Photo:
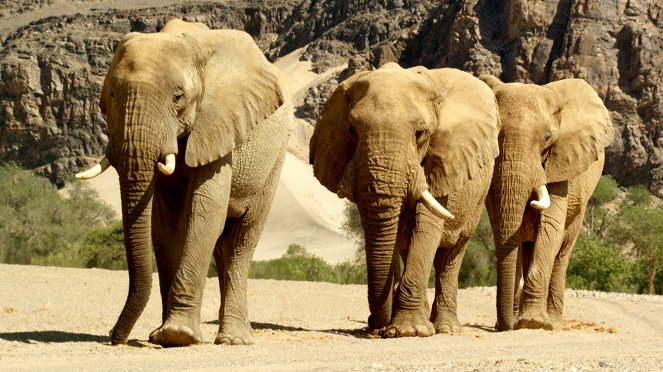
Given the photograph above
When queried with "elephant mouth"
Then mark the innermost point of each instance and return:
(421, 193)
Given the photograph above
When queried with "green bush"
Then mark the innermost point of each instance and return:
(478, 268)
(40, 226)
(298, 264)
(103, 247)
(597, 265)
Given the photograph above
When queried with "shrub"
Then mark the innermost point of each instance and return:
(38, 225)
(103, 247)
(597, 265)
(296, 264)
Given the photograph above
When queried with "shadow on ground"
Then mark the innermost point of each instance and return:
(357, 332)
(58, 337)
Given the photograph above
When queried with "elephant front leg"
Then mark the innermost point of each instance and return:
(447, 266)
(233, 257)
(411, 315)
(208, 195)
(533, 313)
(558, 277)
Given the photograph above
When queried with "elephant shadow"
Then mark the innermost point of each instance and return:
(258, 326)
(59, 337)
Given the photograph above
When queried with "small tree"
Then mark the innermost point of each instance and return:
(642, 227)
(597, 218)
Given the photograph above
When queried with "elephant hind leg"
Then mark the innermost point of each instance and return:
(447, 267)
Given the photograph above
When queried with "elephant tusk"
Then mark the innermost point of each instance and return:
(435, 207)
(544, 199)
(99, 168)
(169, 168)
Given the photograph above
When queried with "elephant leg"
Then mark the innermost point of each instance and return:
(522, 268)
(447, 266)
(546, 245)
(167, 215)
(207, 209)
(411, 315)
(558, 277)
(237, 246)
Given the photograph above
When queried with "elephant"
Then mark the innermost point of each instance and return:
(400, 143)
(551, 142)
(209, 102)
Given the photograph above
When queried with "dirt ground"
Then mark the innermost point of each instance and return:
(58, 319)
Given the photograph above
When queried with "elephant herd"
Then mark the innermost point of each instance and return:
(198, 122)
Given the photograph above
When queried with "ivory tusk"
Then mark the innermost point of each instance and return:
(544, 199)
(169, 168)
(435, 207)
(99, 168)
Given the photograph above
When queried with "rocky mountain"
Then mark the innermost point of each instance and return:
(52, 64)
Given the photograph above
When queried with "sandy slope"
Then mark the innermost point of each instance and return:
(58, 319)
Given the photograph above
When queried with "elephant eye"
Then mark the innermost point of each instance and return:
(420, 135)
(177, 97)
(546, 137)
(353, 132)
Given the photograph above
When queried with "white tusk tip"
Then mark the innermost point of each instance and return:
(165, 169)
(538, 205)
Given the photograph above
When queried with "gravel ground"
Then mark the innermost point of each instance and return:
(58, 319)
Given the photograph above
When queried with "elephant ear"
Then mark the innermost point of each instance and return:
(465, 141)
(331, 146)
(585, 129)
(240, 90)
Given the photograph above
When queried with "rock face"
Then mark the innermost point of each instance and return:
(52, 68)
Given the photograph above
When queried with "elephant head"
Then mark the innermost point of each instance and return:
(204, 91)
(550, 133)
(391, 138)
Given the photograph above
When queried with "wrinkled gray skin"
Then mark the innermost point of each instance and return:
(552, 135)
(211, 98)
(383, 138)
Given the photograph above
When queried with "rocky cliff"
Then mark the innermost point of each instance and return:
(51, 68)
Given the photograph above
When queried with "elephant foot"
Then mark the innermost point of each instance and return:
(556, 320)
(177, 332)
(375, 327)
(446, 321)
(235, 335)
(533, 318)
(408, 324)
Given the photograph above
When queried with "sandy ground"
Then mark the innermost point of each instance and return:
(58, 319)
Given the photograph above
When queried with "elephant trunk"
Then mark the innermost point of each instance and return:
(134, 149)
(510, 191)
(380, 231)
(381, 193)
(136, 221)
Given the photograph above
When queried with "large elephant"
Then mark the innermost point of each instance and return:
(208, 101)
(551, 154)
(400, 143)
